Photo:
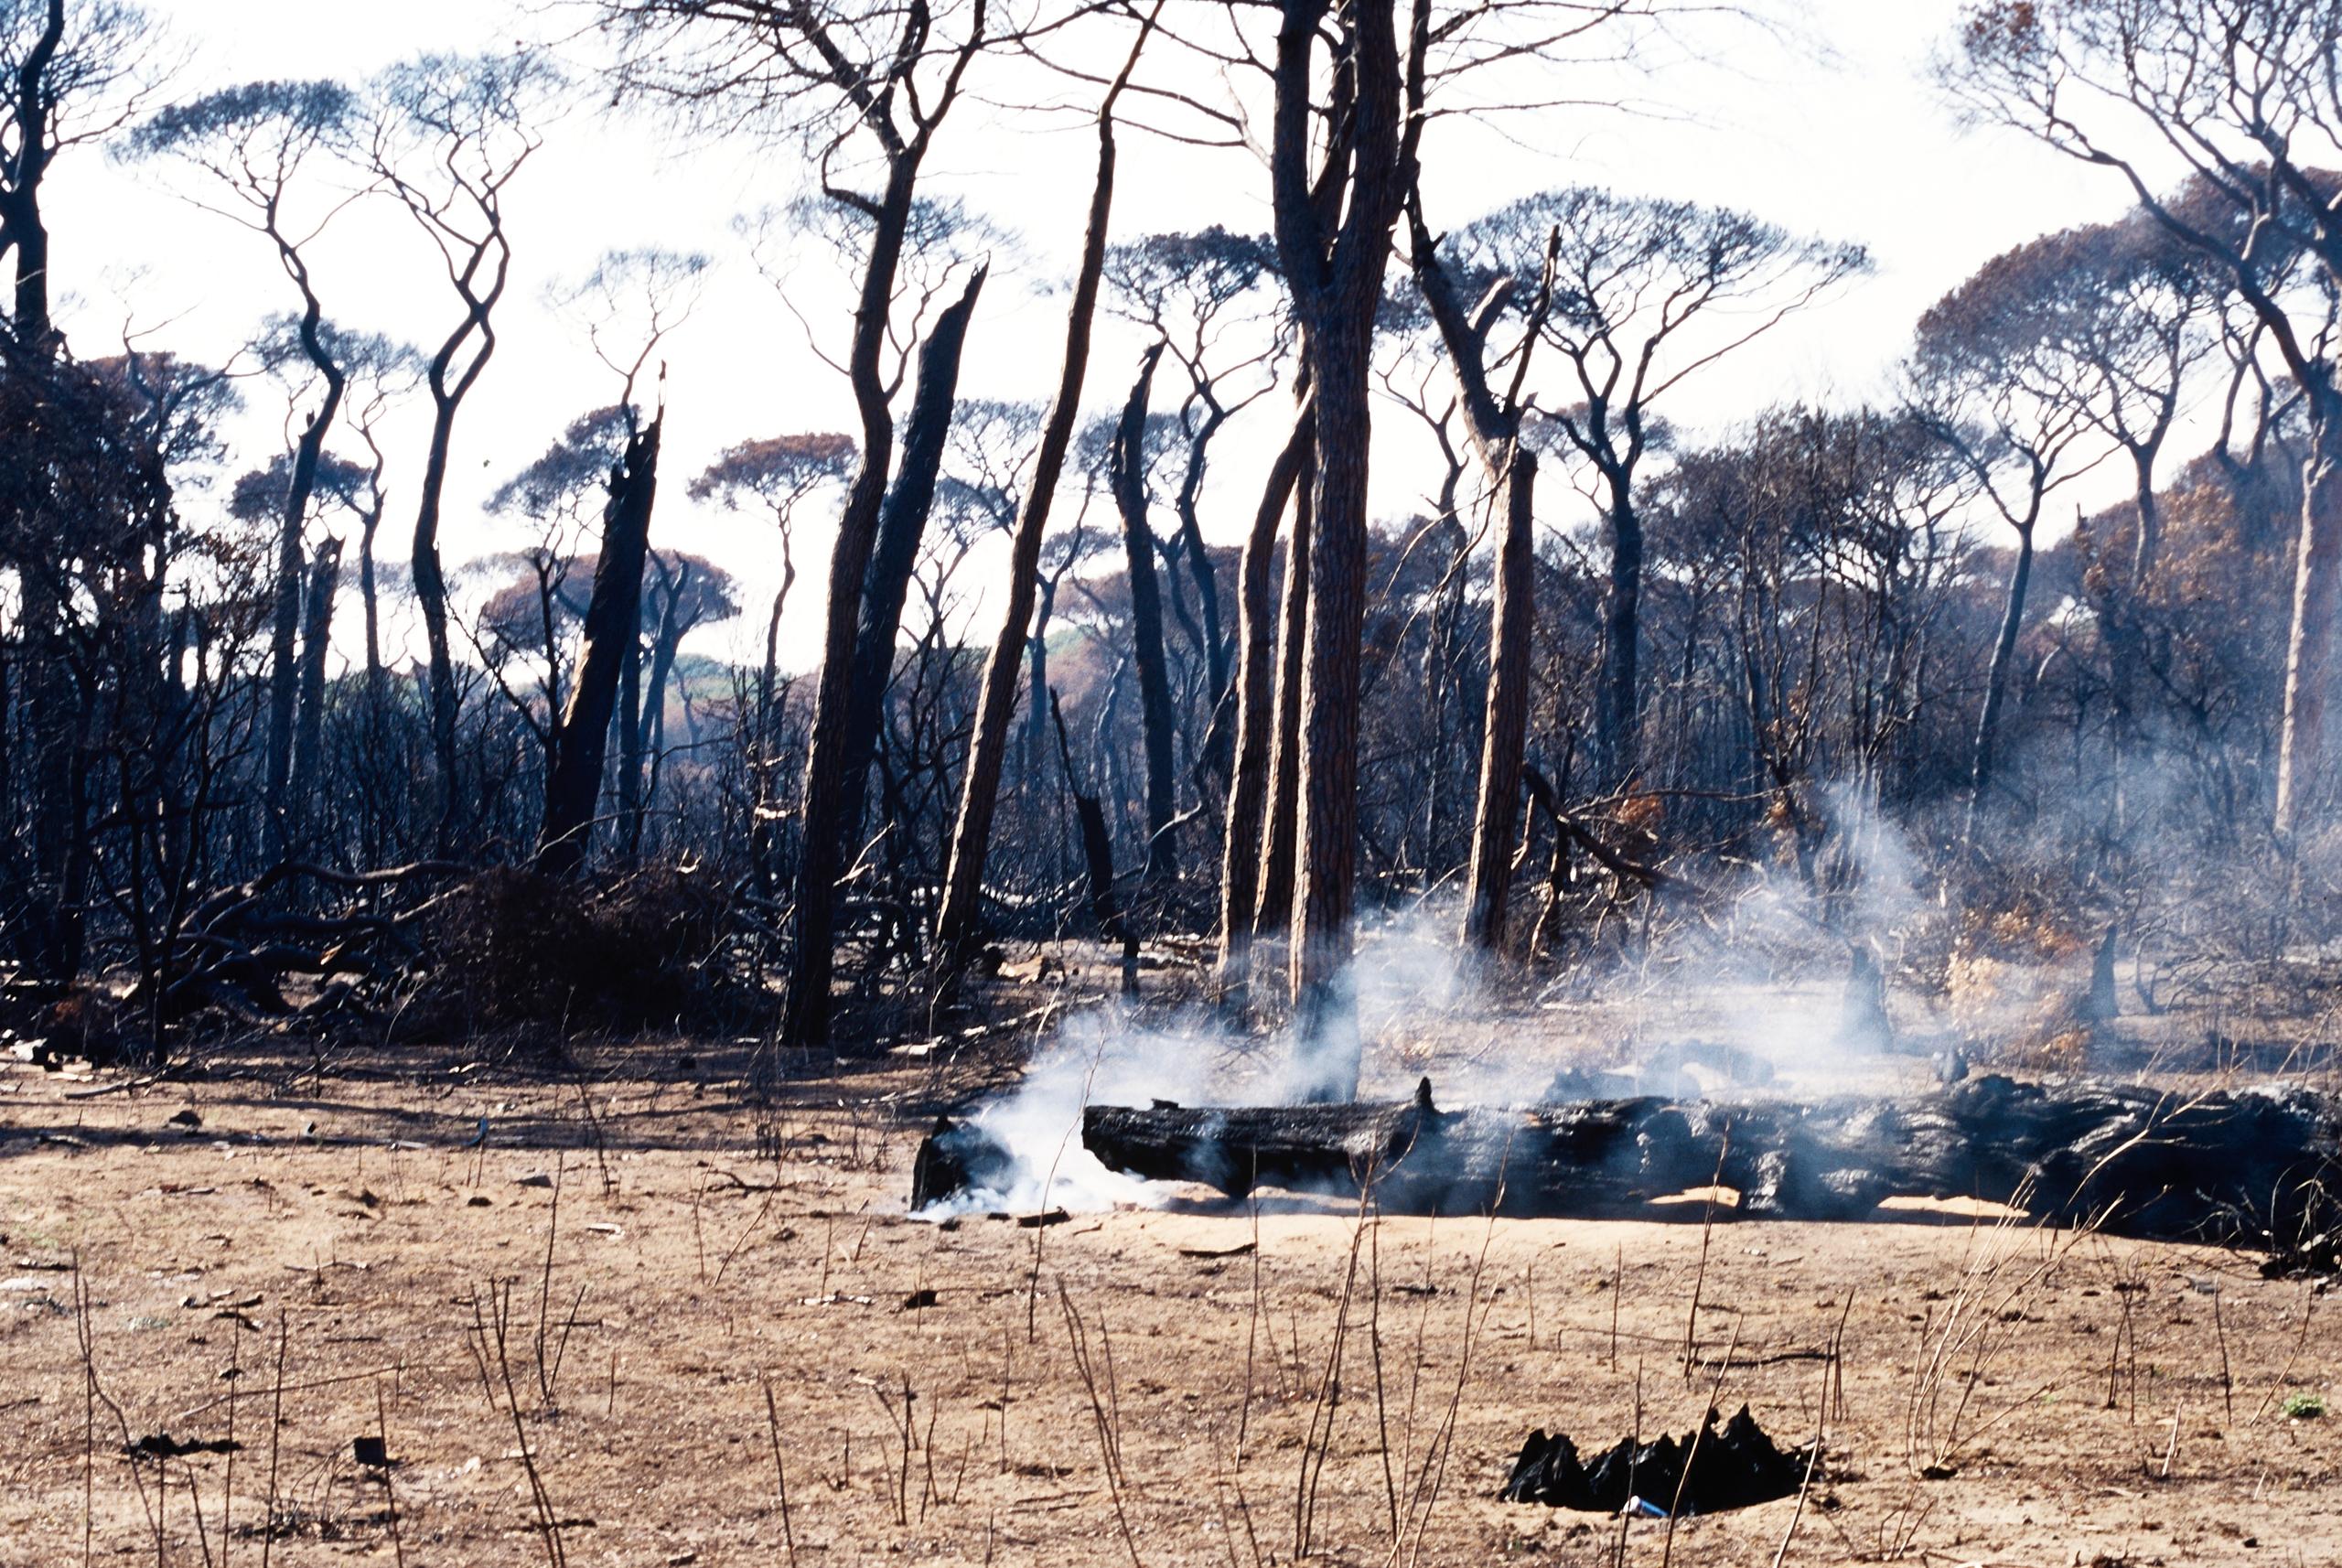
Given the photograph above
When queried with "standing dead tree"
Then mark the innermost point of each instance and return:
(853, 82)
(1241, 870)
(1209, 299)
(613, 630)
(449, 138)
(958, 919)
(72, 72)
(1332, 220)
(1126, 475)
(1494, 418)
(779, 474)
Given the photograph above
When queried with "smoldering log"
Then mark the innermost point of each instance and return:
(2250, 1167)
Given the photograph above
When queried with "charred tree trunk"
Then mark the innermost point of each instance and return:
(1127, 474)
(2252, 1168)
(1996, 680)
(431, 596)
(805, 1021)
(1495, 426)
(1272, 906)
(1213, 760)
(1325, 852)
(902, 525)
(1617, 712)
(285, 674)
(1256, 712)
(371, 606)
(613, 630)
(1097, 843)
(1333, 233)
(627, 726)
(650, 725)
(56, 884)
(959, 916)
(1496, 816)
(317, 638)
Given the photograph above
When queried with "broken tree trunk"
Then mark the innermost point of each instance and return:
(613, 626)
(1126, 469)
(2248, 1166)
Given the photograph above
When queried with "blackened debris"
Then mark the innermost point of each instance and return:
(2313, 1257)
(1702, 1472)
(162, 1445)
(955, 1158)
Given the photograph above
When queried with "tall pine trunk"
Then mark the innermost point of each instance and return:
(317, 639)
(1996, 681)
(1255, 691)
(1273, 904)
(431, 596)
(1496, 814)
(957, 920)
(805, 1020)
(902, 526)
(1128, 473)
(1618, 711)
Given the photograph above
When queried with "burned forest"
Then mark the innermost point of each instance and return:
(1140, 781)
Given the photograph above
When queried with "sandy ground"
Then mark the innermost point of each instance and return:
(1205, 1383)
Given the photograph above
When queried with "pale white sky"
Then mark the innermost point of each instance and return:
(1851, 143)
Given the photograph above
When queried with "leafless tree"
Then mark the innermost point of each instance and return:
(448, 137)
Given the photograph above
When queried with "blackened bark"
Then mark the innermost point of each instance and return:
(316, 641)
(805, 1020)
(22, 225)
(1333, 240)
(1618, 710)
(1272, 905)
(2317, 597)
(613, 630)
(958, 919)
(2221, 1167)
(627, 722)
(1496, 816)
(902, 525)
(431, 596)
(285, 672)
(1248, 787)
(1097, 844)
(1127, 474)
(1218, 733)
(1495, 426)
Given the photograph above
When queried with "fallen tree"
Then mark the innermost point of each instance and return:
(2251, 1166)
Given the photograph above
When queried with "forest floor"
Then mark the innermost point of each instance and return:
(407, 1244)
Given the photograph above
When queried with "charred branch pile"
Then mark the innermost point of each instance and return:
(1706, 1471)
(2249, 1166)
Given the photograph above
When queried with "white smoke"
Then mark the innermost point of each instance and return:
(1406, 969)
(1767, 979)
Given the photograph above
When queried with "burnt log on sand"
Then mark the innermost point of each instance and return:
(2250, 1167)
